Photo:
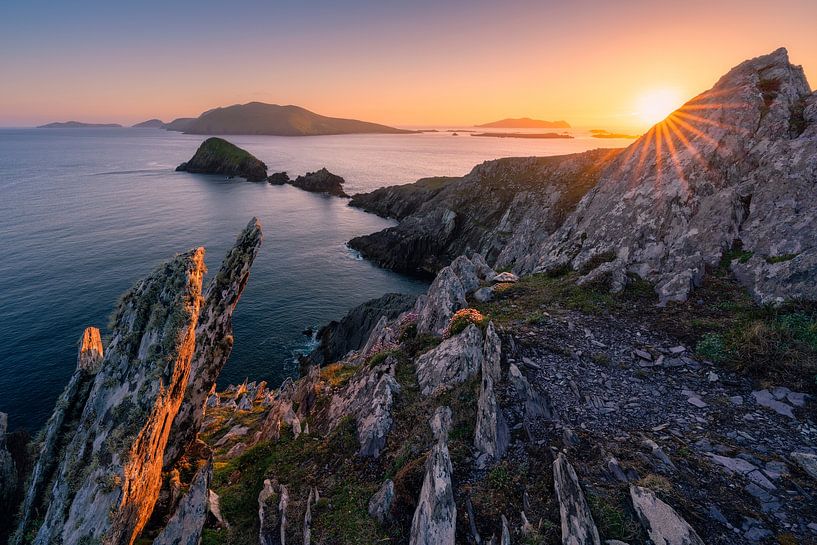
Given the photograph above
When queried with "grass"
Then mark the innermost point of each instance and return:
(720, 320)
(327, 463)
(612, 516)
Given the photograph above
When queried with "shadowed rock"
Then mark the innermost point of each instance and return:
(108, 476)
(435, 519)
(491, 434)
(187, 523)
(578, 527)
(272, 513)
(454, 361)
(662, 523)
(60, 428)
(321, 181)
(214, 338)
(380, 503)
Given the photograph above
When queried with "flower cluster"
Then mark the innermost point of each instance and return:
(462, 318)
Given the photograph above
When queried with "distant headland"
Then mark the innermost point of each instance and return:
(524, 123)
(78, 125)
(523, 134)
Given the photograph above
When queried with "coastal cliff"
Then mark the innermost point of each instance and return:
(217, 156)
(728, 176)
(574, 400)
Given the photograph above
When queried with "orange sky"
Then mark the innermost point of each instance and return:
(423, 64)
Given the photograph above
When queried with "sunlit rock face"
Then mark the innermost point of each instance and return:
(732, 169)
(214, 337)
(60, 428)
(108, 475)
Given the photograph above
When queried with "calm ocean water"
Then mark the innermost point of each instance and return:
(85, 213)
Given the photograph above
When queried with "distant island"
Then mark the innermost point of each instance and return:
(217, 156)
(179, 124)
(525, 123)
(150, 124)
(79, 125)
(275, 120)
(523, 135)
(601, 133)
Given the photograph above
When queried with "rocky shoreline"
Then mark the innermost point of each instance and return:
(624, 384)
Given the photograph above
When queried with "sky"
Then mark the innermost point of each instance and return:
(406, 63)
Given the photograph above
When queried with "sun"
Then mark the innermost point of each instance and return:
(654, 105)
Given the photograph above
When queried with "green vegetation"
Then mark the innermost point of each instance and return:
(225, 151)
(780, 258)
(612, 516)
(463, 318)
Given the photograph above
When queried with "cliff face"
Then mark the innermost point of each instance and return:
(730, 175)
(217, 156)
(503, 209)
(732, 169)
(108, 475)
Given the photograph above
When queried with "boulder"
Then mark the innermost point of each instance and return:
(107, 477)
(435, 518)
(218, 156)
(380, 503)
(452, 362)
(578, 527)
(663, 525)
(321, 181)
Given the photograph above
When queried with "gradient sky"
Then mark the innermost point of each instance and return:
(411, 62)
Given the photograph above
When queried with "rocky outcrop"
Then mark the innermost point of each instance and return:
(338, 338)
(446, 295)
(217, 156)
(214, 337)
(187, 523)
(321, 181)
(578, 527)
(8, 469)
(435, 519)
(502, 209)
(108, 475)
(278, 178)
(662, 523)
(454, 361)
(60, 428)
(491, 434)
(368, 397)
(273, 501)
(729, 170)
(380, 504)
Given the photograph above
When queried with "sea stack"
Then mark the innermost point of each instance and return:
(217, 156)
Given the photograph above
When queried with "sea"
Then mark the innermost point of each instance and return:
(86, 213)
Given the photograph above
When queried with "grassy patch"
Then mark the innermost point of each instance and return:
(338, 374)
(780, 258)
(612, 518)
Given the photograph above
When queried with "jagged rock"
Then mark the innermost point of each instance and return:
(187, 522)
(338, 338)
(307, 534)
(60, 428)
(244, 404)
(484, 295)
(217, 156)
(368, 396)
(8, 469)
(236, 431)
(382, 337)
(663, 525)
(536, 405)
(466, 272)
(699, 183)
(108, 475)
(505, 277)
(435, 518)
(578, 527)
(272, 513)
(214, 338)
(764, 398)
(214, 509)
(452, 362)
(278, 178)
(491, 434)
(506, 534)
(807, 461)
(380, 503)
(483, 270)
(321, 181)
(434, 309)
(502, 209)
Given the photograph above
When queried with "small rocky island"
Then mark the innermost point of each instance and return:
(321, 181)
(217, 156)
